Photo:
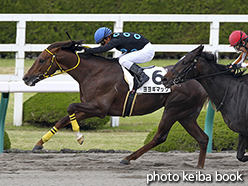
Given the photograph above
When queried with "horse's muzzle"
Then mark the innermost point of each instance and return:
(31, 81)
(166, 83)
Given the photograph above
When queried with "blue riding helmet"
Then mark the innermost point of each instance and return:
(102, 33)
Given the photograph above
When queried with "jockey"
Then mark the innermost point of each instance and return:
(135, 48)
(238, 39)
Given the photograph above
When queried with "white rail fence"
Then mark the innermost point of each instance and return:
(14, 83)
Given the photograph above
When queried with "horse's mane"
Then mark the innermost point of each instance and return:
(76, 46)
(67, 45)
(90, 56)
(212, 58)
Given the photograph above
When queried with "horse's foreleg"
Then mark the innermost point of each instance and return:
(243, 144)
(60, 124)
(195, 131)
(76, 129)
(89, 109)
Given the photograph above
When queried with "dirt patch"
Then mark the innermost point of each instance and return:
(101, 168)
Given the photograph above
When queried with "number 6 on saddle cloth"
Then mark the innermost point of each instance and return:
(153, 85)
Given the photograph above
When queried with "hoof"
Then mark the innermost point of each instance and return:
(199, 167)
(37, 147)
(81, 140)
(124, 162)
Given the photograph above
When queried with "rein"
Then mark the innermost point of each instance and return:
(46, 75)
(224, 97)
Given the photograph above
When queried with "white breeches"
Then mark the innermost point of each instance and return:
(140, 56)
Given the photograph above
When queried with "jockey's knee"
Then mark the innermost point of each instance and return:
(125, 63)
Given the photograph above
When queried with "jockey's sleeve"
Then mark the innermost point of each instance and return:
(100, 49)
(241, 58)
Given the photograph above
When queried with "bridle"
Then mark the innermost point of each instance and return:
(53, 59)
(181, 77)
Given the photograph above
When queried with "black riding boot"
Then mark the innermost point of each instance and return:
(137, 70)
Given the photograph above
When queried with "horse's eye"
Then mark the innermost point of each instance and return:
(41, 61)
(185, 62)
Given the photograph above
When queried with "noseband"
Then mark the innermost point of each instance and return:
(53, 59)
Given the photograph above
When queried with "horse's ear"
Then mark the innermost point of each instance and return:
(200, 49)
(197, 51)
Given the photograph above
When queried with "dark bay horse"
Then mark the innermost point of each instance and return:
(226, 90)
(103, 91)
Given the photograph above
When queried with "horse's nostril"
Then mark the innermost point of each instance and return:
(25, 78)
(164, 79)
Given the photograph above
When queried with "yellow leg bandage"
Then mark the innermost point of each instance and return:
(74, 123)
(49, 134)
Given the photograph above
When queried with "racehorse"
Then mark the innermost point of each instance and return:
(103, 91)
(225, 89)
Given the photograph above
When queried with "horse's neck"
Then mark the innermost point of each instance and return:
(216, 86)
(226, 89)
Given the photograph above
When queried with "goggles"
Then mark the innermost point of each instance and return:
(237, 47)
(102, 42)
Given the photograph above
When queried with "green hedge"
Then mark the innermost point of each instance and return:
(7, 143)
(45, 109)
(164, 32)
(178, 138)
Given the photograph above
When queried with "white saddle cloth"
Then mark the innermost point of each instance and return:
(154, 85)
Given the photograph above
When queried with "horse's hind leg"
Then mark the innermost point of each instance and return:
(191, 126)
(164, 127)
(242, 146)
(159, 138)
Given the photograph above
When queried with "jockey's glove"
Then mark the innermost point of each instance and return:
(74, 47)
(82, 48)
(79, 48)
(236, 66)
(233, 66)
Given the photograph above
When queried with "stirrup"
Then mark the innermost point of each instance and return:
(140, 84)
